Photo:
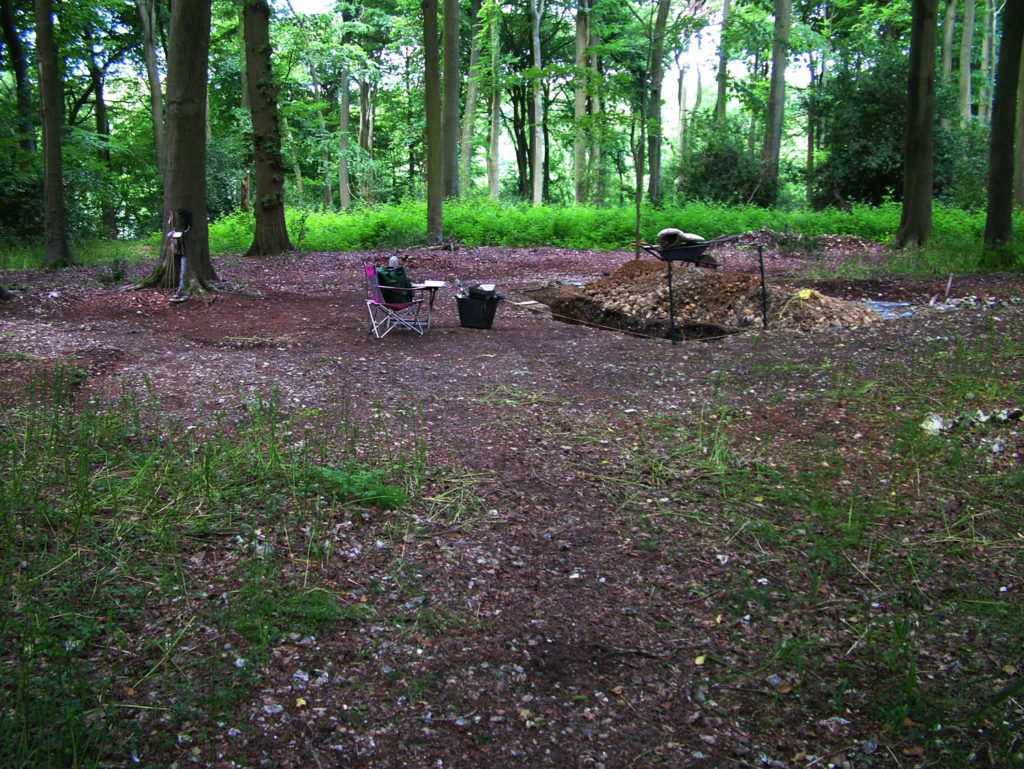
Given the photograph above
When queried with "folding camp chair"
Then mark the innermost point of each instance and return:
(384, 315)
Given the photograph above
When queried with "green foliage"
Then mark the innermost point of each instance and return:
(863, 148)
(484, 222)
(720, 166)
(21, 191)
(961, 166)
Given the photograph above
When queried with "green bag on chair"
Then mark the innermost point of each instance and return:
(395, 285)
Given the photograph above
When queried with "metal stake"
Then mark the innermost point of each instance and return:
(764, 290)
(671, 307)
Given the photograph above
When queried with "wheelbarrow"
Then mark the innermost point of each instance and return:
(684, 252)
(672, 248)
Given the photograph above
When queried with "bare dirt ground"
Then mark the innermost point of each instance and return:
(582, 638)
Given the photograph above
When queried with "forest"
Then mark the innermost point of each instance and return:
(243, 531)
(117, 114)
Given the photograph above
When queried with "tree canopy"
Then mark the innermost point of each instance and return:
(592, 103)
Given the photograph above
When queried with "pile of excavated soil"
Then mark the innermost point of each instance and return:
(635, 298)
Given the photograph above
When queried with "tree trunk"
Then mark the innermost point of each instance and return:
(811, 136)
(432, 112)
(776, 101)
(698, 98)
(450, 97)
(987, 49)
(185, 179)
(999, 217)
(597, 176)
(916, 218)
(345, 105)
(472, 94)
(536, 12)
(271, 232)
(494, 134)
(654, 127)
(365, 136)
(326, 192)
(19, 65)
(147, 16)
(519, 100)
(56, 253)
(495, 105)
(107, 214)
(948, 30)
(681, 133)
(966, 46)
(1018, 173)
(723, 70)
(293, 157)
(580, 88)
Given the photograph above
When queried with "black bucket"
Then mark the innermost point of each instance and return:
(477, 313)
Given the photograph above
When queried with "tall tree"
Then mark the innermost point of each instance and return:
(494, 100)
(345, 116)
(472, 94)
(367, 123)
(597, 131)
(776, 101)
(432, 113)
(450, 96)
(325, 156)
(990, 18)
(966, 49)
(537, 166)
(56, 253)
(916, 218)
(19, 66)
(148, 20)
(999, 216)
(580, 88)
(656, 132)
(271, 232)
(185, 179)
(1018, 168)
(97, 80)
(948, 35)
(723, 68)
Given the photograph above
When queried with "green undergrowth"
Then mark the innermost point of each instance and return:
(878, 560)
(147, 567)
(956, 246)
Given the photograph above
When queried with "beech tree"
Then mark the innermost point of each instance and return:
(537, 115)
(966, 47)
(148, 20)
(916, 219)
(723, 68)
(19, 66)
(493, 99)
(185, 178)
(656, 133)
(432, 110)
(56, 253)
(580, 87)
(999, 215)
(450, 98)
(271, 233)
(472, 94)
(776, 101)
